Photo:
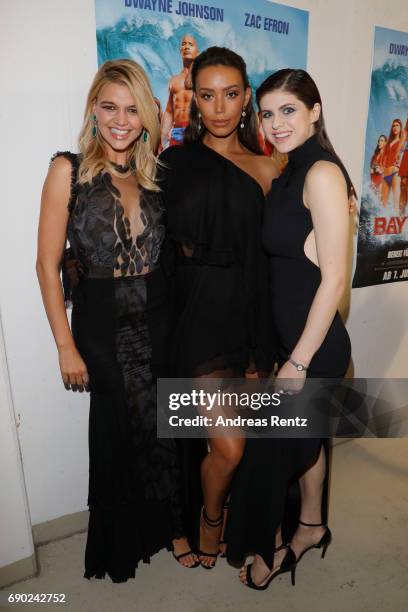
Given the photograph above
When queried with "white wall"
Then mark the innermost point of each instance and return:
(340, 53)
(16, 541)
(48, 58)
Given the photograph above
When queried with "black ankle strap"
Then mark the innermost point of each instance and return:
(312, 524)
(212, 522)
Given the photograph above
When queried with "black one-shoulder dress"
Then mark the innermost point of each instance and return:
(214, 213)
(221, 303)
(264, 492)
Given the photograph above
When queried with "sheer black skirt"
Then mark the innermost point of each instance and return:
(122, 330)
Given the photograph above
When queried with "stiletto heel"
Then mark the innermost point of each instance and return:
(324, 549)
(288, 565)
(324, 541)
(223, 541)
(211, 523)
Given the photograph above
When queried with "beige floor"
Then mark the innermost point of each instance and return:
(366, 568)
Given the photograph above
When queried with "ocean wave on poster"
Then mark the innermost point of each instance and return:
(391, 79)
(133, 36)
(382, 54)
(371, 208)
(388, 101)
(396, 91)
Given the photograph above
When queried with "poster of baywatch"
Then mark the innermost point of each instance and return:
(164, 37)
(382, 250)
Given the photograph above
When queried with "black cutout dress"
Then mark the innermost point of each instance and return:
(265, 492)
(121, 326)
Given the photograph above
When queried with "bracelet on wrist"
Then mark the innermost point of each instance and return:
(300, 367)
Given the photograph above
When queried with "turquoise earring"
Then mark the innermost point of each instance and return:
(94, 126)
(145, 135)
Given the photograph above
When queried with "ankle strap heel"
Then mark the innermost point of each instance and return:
(212, 522)
(324, 541)
(311, 524)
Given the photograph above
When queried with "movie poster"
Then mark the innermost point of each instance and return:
(164, 37)
(382, 250)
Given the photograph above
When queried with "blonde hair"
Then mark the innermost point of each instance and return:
(143, 154)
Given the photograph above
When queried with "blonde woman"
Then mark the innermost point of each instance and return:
(106, 201)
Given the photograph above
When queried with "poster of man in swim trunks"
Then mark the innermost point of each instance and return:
(382, 250)
(164, 37)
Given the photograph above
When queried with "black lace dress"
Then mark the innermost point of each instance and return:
(121, 324)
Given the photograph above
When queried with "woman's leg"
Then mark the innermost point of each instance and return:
(403, 195)
(396, 181)
(260, 571)
(311, 491)
(385, 190)
(217, 470)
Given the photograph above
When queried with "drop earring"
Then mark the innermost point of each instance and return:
(199, 122)
(145, 135)
(243, 115)
(94, 126)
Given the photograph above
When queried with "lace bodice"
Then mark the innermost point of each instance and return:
(107, 241)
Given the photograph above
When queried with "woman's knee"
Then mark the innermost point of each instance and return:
(229, 452)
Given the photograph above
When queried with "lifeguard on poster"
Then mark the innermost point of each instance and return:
(382, 250)
(176, 116)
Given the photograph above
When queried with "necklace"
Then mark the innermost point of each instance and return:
(119, 168)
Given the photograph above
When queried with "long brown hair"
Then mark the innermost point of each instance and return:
(221, 56)
(377, 148)
(300, 83)
(391, 135)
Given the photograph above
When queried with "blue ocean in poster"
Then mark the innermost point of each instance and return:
(268, 35)
(382, 250)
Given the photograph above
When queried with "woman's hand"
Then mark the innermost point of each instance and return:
(73, 369)
(289, 379)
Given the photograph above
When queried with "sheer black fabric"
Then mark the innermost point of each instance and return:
(121, 323)
(222, 322)
(214, 212)
(265, 493)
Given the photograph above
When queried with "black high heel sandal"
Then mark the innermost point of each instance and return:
(178, 557)
(324, 541)
(222, 541)
(288, 565)
(211, 523)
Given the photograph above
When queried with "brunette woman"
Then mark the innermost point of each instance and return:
(391, 162)
(403, 172)
(214, 190)
(377, 164)
(305, 232)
